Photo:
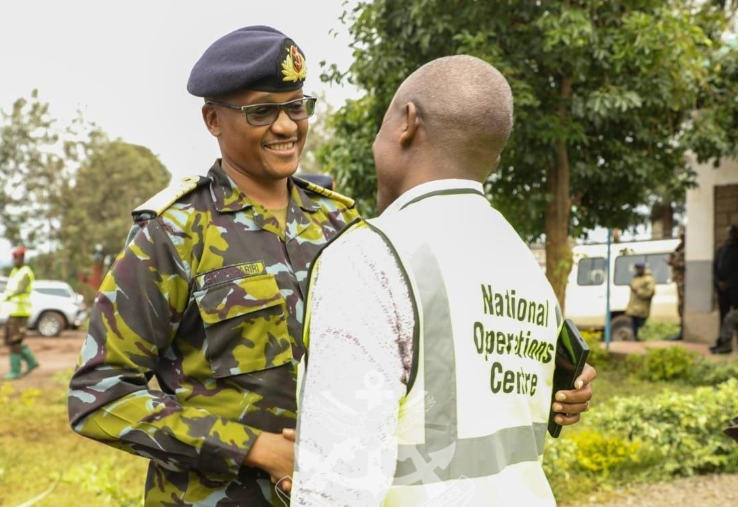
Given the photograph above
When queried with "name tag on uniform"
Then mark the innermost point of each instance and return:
(229, 273)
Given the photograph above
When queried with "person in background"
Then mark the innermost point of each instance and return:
(642, 289)
(727, 330)
(725, 277)
(17, 300)
(678, 269)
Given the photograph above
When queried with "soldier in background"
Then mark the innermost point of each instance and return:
(208, 294)
(677, 263)
(17, 300)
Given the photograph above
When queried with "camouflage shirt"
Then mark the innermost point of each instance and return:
(208, 298)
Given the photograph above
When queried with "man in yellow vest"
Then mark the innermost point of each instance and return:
(17, 299)
(431, 330)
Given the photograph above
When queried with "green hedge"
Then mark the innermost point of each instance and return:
(639, 439)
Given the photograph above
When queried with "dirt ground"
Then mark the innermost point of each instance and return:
(703, 491)
(54, 354)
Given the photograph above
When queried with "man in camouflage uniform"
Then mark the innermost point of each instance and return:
(642, 289)
(677, 263)
(17, 300)
(207, 296)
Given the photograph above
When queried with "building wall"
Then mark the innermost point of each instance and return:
(710, 208)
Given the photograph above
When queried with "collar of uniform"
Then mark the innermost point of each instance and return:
(432, 186)
(227, 197)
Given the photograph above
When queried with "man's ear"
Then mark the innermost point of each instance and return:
(411, 125)
(211, 119)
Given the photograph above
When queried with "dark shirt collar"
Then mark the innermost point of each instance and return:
(228, 198)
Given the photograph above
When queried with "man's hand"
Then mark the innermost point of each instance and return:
(275, 454)
(569, 404)
(723, 286)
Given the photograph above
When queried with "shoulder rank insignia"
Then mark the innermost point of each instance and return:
(161, 201)
(330, 194)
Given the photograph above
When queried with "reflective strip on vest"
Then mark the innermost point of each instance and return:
(19, 305)
(435, 465)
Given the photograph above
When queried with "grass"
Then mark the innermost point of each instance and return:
(37, 448)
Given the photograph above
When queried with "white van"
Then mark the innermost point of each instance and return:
(586, 289)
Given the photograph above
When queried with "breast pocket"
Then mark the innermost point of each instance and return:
(245, 325)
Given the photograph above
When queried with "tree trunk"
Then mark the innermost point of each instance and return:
(558, 210)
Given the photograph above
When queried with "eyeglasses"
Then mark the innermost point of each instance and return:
(259, 115)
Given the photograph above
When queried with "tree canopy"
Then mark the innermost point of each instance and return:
(603, 93)
(67, 190)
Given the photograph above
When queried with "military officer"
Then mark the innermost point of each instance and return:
(207, 296)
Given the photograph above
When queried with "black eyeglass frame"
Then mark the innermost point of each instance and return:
(308, 100)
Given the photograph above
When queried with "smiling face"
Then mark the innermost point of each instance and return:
(270, 152)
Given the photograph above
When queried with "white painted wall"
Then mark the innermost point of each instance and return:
(700, 244)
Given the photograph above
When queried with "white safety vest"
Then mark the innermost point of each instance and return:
(472, 426)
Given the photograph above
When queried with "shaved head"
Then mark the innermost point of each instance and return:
(464, 104)
(450, 119)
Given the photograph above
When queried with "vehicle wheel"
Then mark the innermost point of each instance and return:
(50, 324)
(621, 329)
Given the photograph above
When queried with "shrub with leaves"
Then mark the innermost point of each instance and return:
(686, 429)
(641, 438)
(669, 363)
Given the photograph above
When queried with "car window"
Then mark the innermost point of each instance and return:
(656, 262)
(591, 271)
(53, 291)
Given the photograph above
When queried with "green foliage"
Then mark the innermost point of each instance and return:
(655, 330)
(664, 364)
(600, 453)
(114, 178)
(37, 447)
(104, 480)
(646, 438)
(677, 364)
(68, 189)
(636, 69)
(709, 373)
(35, 158)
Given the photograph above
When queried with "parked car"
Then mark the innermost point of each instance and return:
(54, 307)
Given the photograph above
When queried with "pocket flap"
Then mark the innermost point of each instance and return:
(237, 297)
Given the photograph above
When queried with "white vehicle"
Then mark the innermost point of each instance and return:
(54, 307)
(586, 289)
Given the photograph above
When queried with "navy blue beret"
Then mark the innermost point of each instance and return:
(251, 58)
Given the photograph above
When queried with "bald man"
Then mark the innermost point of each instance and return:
(431, 330)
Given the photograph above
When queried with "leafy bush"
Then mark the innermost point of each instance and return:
(679, 364)
(709, 373)
(654, 330)
(645, 438)
(669, 363)
(597, 452)
(685, 430)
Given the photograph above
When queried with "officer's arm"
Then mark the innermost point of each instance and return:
(136, 315)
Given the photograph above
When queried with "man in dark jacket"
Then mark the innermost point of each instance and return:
(726, 282)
